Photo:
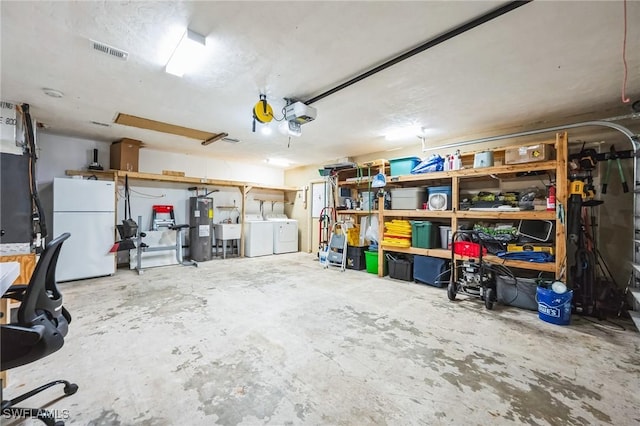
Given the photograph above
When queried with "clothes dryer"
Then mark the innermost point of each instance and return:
(285, 233)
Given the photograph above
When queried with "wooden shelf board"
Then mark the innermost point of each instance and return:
(526, 214)
(479, 172)
(543, 267)
(114, 174)
(356, 182)
(273, 188)
(435, 252)
(357, 212)
(446, 254)
(418, 213)
(509, 168)
(104, 174)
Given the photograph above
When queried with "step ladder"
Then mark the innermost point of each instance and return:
(337, 248)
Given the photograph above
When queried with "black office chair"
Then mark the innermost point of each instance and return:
(40, 329)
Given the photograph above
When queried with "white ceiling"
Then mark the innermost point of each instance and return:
(545, 62)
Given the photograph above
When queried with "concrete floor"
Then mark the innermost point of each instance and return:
(279, 340)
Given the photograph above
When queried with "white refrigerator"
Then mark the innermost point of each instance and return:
(86, 209)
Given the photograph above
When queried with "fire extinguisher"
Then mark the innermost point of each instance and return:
(551, 197)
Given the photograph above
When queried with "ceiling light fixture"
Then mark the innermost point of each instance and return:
(53, 93)
(405, 133)
(280, 162)
(266, 130)
(187, 54)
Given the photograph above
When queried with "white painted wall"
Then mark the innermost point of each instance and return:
(61, 153)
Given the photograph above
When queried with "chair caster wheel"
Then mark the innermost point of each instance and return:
(70, 389)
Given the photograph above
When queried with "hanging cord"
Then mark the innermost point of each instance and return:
(127, 200)
(37, 209)
(625, 99)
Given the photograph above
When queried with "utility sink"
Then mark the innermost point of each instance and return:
(227, 231)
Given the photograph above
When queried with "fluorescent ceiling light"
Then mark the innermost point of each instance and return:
(278, 162)
(188, 53)
(266, 130)
(404, 133)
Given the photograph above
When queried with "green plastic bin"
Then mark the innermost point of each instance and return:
(423, 234)
(371, 260)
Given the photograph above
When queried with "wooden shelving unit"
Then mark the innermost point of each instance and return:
(556, 167)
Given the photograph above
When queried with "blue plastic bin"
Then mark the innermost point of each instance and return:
(431, 270)
(403, 166)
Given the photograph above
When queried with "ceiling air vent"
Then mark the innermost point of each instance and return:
(230, 140)
(109, 50)
(97, 123)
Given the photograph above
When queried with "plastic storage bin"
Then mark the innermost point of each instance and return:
(431, 270)
(520, 293)
(445, 237)
(403, 166)
(355, 258)
(400, 269)
(371, 260)
(408, 198)
(423, 234)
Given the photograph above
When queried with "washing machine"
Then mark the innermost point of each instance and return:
(258, 236)
(285, 233)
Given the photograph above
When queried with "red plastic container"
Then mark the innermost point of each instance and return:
(467, 248)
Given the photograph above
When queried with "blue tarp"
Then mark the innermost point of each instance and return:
(527, 256)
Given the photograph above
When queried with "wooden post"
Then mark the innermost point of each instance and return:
(562, 186)
(380, 234)
(245, 192)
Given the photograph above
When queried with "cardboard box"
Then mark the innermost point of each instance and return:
(124, 154)
(527, 154)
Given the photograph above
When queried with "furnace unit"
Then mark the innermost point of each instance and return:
(200, 228)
